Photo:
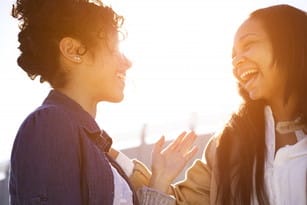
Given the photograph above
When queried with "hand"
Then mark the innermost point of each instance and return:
(169, 162)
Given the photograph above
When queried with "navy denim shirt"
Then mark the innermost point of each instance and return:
(54, 161)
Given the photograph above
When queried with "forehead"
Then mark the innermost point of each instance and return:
(249, 29)
(111, 40)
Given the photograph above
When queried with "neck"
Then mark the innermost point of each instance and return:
(287, 117)
(285, 111)
(83, 100)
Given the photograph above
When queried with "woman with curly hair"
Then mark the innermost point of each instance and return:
(60, 155)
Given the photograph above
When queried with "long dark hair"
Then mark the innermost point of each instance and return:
(241, 148)
(43, 23)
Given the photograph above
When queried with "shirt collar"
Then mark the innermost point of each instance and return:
(98, 136)
(270, 125)
(297, 149)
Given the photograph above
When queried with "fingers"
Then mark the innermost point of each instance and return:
(191, 154)
(176, 143)
(158, 145)
(182, 144)
(187, 142)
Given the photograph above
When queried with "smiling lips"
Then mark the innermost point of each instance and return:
(247, 75)
(121, 76)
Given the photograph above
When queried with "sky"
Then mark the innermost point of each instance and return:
(181, 73)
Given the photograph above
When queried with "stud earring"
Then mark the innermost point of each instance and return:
(77, 59)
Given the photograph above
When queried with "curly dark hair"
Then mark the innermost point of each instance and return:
(43, 23)
(242, 141)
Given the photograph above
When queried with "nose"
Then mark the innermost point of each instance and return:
(238, 60)
(125, 62)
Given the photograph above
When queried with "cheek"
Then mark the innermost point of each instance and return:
(267, 60)
(267, 56)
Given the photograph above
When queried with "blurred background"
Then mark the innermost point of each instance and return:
(181, 77)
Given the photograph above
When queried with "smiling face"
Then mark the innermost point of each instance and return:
(105, 71)
(253, 62)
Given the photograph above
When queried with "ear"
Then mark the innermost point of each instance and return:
(69, 49)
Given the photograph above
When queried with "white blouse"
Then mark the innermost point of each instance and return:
(285, 171)
(122, 191)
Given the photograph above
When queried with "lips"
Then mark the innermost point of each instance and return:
(248, 75)
(121, 76)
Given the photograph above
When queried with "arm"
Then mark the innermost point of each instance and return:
(45, 163)
(167, 163)
(149, 196)
(199, 183)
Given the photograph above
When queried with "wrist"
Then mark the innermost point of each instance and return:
(159, 182)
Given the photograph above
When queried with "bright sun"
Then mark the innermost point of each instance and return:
(181, 66)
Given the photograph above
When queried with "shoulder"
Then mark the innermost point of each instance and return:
(209, 153)
(45, 157)
(48, 127)
(47, 118)
(45, 139)
(49, 112)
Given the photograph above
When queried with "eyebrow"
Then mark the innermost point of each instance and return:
(247, 35)
(241, 39)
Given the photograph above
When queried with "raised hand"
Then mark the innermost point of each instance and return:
(167, 163)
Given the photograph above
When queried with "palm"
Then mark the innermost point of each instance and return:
(169, 162)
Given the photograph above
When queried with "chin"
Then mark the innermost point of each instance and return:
(117, 99)
(254, 96)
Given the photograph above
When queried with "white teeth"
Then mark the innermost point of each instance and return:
(121, 76)
(244, 75)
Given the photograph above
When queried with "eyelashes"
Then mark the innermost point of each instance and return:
(243, 47)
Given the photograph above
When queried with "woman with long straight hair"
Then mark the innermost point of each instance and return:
(260, 157)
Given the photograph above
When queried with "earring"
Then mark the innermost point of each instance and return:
(77, 59)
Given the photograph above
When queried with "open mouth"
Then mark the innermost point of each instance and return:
(121, 76)
(248, 75)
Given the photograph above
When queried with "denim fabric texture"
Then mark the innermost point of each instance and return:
(54, 160)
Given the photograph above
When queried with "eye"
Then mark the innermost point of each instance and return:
(241, 47)
(247, 45)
